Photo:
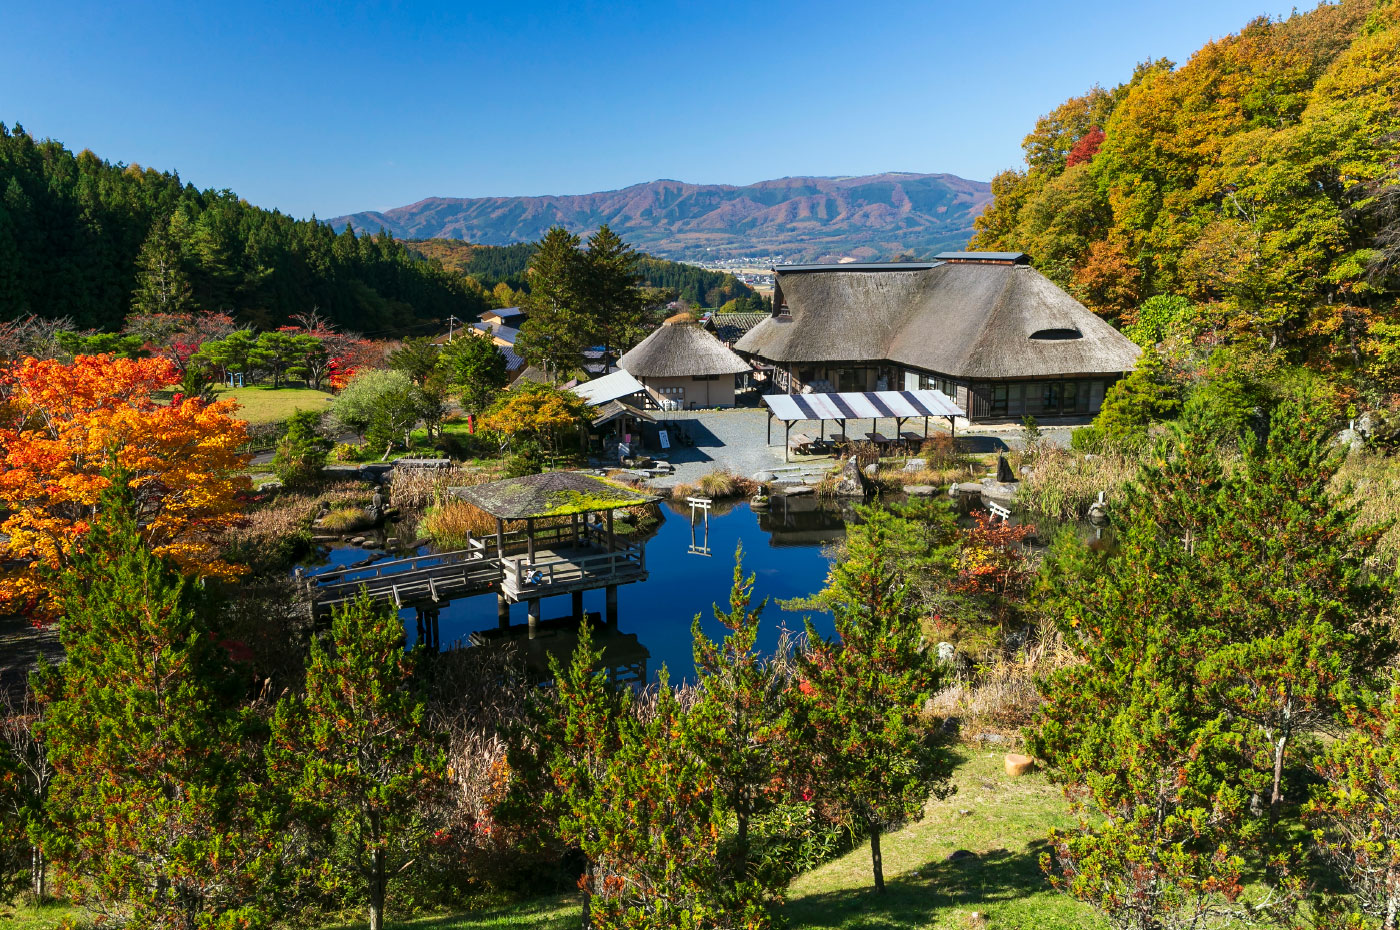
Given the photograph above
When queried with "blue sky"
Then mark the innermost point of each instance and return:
(338, 107)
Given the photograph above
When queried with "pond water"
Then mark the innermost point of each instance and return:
(784, 549)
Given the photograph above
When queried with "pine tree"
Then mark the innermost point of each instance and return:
(658, 833)
(155, 811)
(559, 759)
(739, 727)
(559, 327)
(1212, 643)
(161, 283)
(352, 753)
(614, 297)
(859, 698)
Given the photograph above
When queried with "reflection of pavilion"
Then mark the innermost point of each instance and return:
(802, 521)
(624, 657)
(569, 542)
(561, 542)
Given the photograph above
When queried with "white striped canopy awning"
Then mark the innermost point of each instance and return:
(862, 405)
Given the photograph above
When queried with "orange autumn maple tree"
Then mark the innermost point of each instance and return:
(65, 426)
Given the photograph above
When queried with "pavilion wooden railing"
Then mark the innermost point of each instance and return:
(522, 576)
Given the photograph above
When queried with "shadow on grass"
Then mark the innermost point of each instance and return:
(552, 912)
(911, 897)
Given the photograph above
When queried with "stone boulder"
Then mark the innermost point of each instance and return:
(916, 465)
(1018, 765)
(849, 483)
(920, 490)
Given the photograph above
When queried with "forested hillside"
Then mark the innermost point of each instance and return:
(490, 265)
(84, 238)
(1256, 183)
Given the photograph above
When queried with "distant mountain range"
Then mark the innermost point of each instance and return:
(802, 219)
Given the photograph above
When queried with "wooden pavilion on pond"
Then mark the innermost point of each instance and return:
(568, 539)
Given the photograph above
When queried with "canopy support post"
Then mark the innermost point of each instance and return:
(770, 426)
(925, 427)
(530, 539)
(612, 547)
(787, 431)
(952, 427)
(500, 538)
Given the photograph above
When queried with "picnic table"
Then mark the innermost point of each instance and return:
(878, 439)
(800, 442)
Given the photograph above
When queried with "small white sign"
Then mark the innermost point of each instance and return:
(665, 440)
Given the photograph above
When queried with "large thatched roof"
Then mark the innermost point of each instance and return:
(552, 494)
(678, 350)
(965, 319)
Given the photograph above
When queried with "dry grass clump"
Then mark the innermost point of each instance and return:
(1063, 483)
(681, 491)
(345, 519)
(723, 483)
(1000, 695)
(1372, 482)
(449, 523)
(416, 488)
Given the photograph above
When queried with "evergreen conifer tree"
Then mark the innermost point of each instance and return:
(859, 698)
(559, 327)
(739, 727)
(155, 813)
(162, 286)
(352, 753)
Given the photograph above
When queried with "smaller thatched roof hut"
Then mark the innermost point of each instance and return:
(681, 350)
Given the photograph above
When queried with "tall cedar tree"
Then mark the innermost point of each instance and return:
(860, 696)
(161, 283)
(476, 370)
(559, 759)
(560, 325)
(659, 832)
(1213, 641)
(155, 810)
(739, 727)
(613, 291)
(1355, 809)
(353, 753)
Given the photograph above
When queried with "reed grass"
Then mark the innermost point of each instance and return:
(1372, 482)
(1063, 483)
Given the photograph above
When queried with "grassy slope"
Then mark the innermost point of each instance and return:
(1005, 825)
(259, 404)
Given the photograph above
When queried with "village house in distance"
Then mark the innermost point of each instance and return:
(985, 328)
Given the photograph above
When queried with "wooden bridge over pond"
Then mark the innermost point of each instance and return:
(559, 551)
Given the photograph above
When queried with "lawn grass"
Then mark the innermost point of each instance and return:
(260, 404)
(557, 912)
(1005, 825)
(48, 917)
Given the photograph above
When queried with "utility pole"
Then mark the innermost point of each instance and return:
(451, 320)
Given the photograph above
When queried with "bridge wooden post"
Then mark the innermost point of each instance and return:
(533, 612)
(611, 540)
(530, 539)
(611, 605)
(502, 611)
(500, 538)
(578, 606)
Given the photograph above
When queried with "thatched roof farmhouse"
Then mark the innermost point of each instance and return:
(683, 365)
(985, 328)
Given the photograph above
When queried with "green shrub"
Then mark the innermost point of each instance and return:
(301, 452)
(794, 838)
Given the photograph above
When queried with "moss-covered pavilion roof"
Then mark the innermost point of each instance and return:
(552, 494)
